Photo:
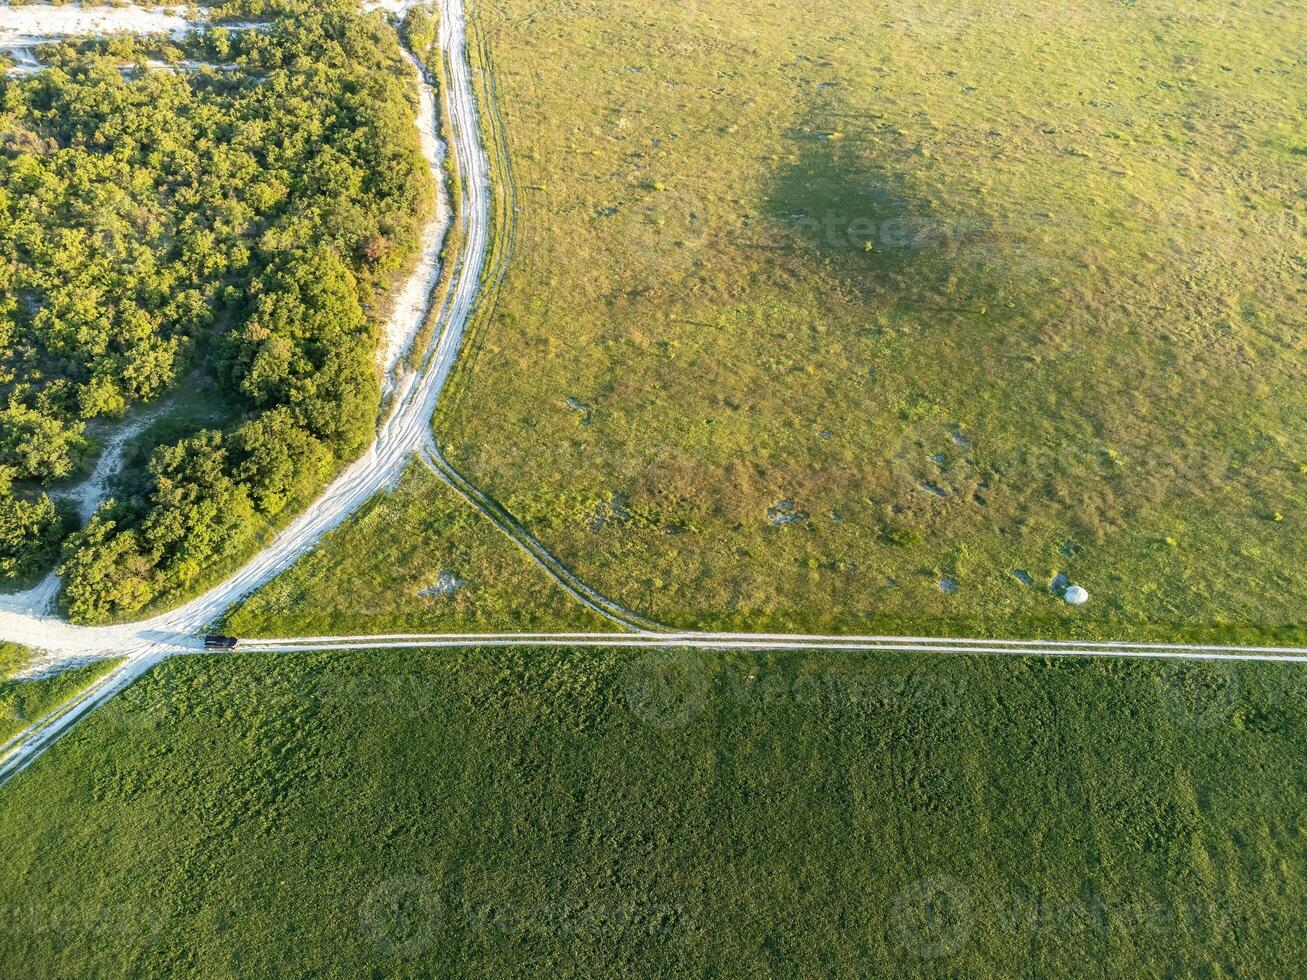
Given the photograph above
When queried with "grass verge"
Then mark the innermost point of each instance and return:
(23, 701)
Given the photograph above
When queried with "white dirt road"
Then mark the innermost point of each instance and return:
(779, 641)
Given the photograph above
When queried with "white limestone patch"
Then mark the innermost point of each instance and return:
(31, 24)
(447, 584)
(22, 29)
(413, 302)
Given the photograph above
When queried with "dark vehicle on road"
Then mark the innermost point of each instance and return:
(215, 642)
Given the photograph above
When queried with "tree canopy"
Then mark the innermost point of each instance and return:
(243, 220)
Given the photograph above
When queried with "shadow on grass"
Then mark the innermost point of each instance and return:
(849, 207)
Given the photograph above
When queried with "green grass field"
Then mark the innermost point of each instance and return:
(590, 813)
(27, 700)
(370, 576)
(816, 314)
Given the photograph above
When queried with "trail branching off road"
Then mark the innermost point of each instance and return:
(538, 553)
(406, 434)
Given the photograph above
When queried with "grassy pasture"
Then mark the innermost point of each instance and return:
(816, 314)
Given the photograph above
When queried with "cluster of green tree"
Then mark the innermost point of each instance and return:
(246, 223)
(421, 30)
(30, 531)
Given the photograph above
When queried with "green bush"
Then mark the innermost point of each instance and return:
(30, 531)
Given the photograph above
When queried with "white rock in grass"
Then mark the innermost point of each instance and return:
(1076, 596)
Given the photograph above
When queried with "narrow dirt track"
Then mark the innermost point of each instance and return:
(593, 600)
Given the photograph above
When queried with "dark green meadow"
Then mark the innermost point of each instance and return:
(597, 814)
